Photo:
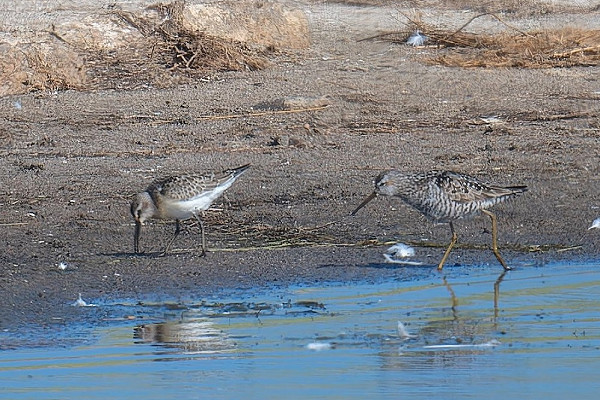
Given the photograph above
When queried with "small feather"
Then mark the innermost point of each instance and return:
(417, 39)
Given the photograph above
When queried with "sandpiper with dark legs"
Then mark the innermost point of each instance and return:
(445, 196)
(180, 198)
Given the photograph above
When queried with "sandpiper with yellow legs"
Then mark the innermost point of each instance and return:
(445, 196)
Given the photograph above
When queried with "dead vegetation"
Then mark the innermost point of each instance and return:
(170, 52)
(162, 61)
(163, 52)
(39, 67)
(514, 48)
(567, 47)
(249, 236)
(183, 49)
(167, 52)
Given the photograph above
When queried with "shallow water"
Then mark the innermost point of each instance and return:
(536, 336)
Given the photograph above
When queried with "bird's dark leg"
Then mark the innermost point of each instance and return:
(450, 246)
(177, 230)
(495, 239)
(136, 237)
(202, 233)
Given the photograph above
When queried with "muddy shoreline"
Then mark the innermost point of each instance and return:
(71, 161)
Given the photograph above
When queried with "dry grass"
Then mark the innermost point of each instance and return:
(39, 67)
(164, 61)
(182, 49)
(201, 52)
(567, 47)
(167, 54)
(550, 48)
(53, 69)
(520, 8)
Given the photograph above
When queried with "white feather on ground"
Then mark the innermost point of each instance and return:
(403, 333)
(81, 303)
(417, 39)
(398, 251)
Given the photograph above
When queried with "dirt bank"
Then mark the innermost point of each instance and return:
(71, 161)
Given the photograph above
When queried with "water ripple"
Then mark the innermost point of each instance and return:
(471, 332)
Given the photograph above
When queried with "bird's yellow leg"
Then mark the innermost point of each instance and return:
(450, 246)
(495, 239)
(497, 294)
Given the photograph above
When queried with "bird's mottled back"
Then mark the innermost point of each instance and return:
(444, 196)
(183, 187)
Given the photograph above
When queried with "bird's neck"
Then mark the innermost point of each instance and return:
(149, 209)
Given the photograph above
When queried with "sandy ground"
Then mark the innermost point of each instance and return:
(71, 161)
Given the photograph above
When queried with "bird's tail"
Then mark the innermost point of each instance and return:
(499, 194)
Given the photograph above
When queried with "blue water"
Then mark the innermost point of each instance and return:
(536, 338)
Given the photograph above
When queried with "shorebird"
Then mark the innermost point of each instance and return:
(445, 196)
(180, 198)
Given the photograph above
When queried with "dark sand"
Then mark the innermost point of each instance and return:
(71, 161)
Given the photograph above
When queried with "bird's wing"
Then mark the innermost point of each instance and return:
(183, 187)
(465, 189)
(190, 187)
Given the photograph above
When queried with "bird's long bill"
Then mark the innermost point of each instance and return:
(364, 203)
(136, 237)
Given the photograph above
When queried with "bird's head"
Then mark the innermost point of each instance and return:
(142, 208)
(384, 185)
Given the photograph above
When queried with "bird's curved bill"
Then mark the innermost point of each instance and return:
(364, 203)
(136, 237)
